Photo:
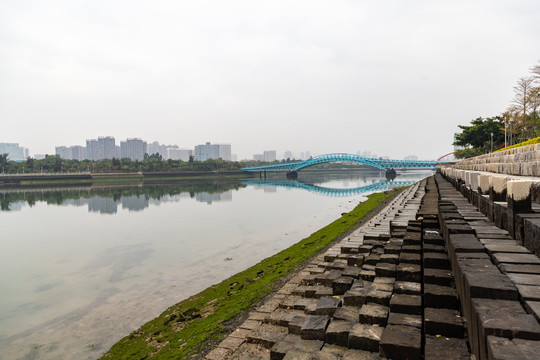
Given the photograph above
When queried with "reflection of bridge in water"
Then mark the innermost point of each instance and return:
(375, 187)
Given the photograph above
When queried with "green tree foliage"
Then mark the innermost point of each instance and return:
(476, 138)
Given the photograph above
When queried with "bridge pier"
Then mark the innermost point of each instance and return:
(292, 175)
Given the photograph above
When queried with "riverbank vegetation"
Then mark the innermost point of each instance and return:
(518, 123)
(187, 329)
(150, 163)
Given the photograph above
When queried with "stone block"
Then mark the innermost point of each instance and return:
(379, 297)
(438, 277)
(365, 337)
(488, 285)
(352, 272)
(409, 272)
(495, 321)
(445, 322)
(417, 249)
(314, 327)
(406, 304)
(341, 285)
(338, 332)
(499, 348)
(327, 305)
(436, 261)
(531, 235)
(438, 348)
(267, 335)
(374, 314)
(516, 258)
(295, 325)
(519, 196)
(294, 343)
(518, 268)
(347, 313)
(405, 319)
(437, 296)
(401, 342)
(410, 258)
(529, 292)
(407, 287)
(385, 270)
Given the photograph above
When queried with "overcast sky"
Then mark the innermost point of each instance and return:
(391, 77)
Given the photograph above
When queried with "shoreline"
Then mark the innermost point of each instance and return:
(192, 327)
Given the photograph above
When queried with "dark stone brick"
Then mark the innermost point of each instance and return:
(295, 325)
(341, 285)
(327, 305)
(516, 258)
(518, 268)
(445, 322)
(347, 313)
(406, 304)
(401, 342)
(411, 258)
(365, 337)
(374, 314)
(509, 349)
(405, 319)
(488, 285)
(438, 277)
(267, 335)
(436, 260)
(379, 297)
(314, 327)
(293, 343)
(409, 272)
(437, 296)
(385, 270)
(444, 348)
(338, 332)
(529, 292)
(407, 287)
(416, 249)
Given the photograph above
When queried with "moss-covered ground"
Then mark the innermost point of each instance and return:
(187, 329)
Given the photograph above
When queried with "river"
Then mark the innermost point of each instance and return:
(83, 266)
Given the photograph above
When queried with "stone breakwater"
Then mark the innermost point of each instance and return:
(431, 276)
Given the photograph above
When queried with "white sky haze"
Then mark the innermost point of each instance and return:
(392, 77)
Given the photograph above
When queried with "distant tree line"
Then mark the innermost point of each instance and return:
(519, 122)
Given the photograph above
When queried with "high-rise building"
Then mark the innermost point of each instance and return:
(179, 154)
(102, 148)
(133, 149)
(269, 155)
(14, 151)
(213, 151)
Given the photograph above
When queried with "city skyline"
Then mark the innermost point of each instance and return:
(393, 77)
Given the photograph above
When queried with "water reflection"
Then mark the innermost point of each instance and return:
(106, 200)
(296, 184)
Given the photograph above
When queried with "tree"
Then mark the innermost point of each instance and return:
(478, 135)
(522, 96)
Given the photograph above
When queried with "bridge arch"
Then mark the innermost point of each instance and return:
(381, 164)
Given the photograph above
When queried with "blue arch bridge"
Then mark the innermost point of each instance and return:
(382, 164)
(375, 187)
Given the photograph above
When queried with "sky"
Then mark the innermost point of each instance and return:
(392, 77)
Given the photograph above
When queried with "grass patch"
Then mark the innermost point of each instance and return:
(184, 330)
(528, 142)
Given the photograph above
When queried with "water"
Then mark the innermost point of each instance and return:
(81, 267)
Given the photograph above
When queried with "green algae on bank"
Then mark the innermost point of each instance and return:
(187, 329)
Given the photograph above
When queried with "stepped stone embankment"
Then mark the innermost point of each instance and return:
(436, 274)
(520, 161)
